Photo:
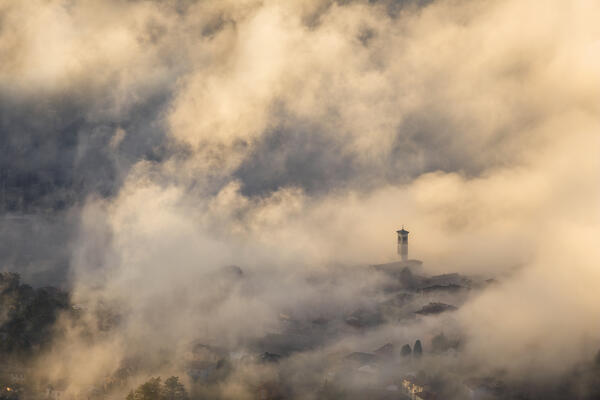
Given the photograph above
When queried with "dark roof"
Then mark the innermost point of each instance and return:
(435, 308)
(403, 231)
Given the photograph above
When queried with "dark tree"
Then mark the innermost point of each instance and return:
(405, 351)
(150, 390)
(418, 349)
(174, 390)
(28, 315)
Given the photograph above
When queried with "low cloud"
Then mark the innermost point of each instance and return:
(177, 141)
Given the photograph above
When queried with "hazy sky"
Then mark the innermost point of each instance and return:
(146, 143)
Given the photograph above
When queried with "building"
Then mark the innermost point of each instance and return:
(403, 244)
(416, 389)
(412, 386)
(397, 267)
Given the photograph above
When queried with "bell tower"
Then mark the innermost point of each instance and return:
(403, 244)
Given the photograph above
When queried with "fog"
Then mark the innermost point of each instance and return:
(214, 169)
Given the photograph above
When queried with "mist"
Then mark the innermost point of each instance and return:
(215, 172)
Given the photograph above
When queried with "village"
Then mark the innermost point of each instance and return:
(341, 359)
(392, 370)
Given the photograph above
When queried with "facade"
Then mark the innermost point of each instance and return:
(415, 389)
(412, 387)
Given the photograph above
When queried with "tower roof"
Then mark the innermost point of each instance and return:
(402, 231)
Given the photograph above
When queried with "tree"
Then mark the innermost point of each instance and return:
(28, 315)
(405, 351)
(150, 390)
(172, 389)
(418, 349)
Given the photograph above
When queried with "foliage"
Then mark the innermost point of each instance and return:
(27, 315)
(417, 349)
(405, 351)
(154, 389)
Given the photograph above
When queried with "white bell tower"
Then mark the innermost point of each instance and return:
(403, 243)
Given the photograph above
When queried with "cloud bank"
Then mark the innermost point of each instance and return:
(291, 138)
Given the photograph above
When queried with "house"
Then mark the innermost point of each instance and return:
(9, 392)
(412, 386)
(416, 389)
